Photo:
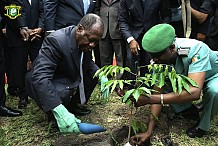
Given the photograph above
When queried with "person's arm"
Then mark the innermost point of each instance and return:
(37, 32)
(155, 112)
(123, 18)
(201, 17)
(124, 27)
(21, 20)
(204, 11)
(172, 97)
(50, 8)
(41, 15)
(44, 68)
(140, 138)
(155, 101)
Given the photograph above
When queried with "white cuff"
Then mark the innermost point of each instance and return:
(130, 39)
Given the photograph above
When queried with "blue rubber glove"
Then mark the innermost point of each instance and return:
(66, 121)
(105, 92)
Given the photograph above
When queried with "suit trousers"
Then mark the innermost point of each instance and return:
(19, 58)
(108, 47)
(143, 59)
(2, 74)
(7, 56)
(210, 102)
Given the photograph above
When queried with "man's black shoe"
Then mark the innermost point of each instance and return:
(22, 103)
(79, 110)
(195, 132)
(8, 112)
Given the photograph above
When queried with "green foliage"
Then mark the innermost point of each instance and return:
(138, 126)
(160, 74)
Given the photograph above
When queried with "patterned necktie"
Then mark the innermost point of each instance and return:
(81, 85)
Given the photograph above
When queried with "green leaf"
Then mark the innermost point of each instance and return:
(161, 80)
(142, 78)
(192, 82)
(154, 77)
(180, 84)
(114, 85)
(174, 85)
(121, 70)
(186, 86)
(136, 94)
(135, 126)
(138, 126)
(146, 90)
(108, 84)
(120, 84)
(129, 102)
(160, 68)
(173, 82)
(166, 70)
(110, 71)
(127, 94)
(99, 71)
(107, 69)
(150, 67)
(127, 69)
(155, 67)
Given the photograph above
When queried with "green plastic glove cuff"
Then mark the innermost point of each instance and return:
(105, 92)
(66, 121)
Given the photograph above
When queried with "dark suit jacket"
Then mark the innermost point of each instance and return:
(33, 18)
(4, 3)
(109, 14)
(63, 13)
(58, 57)
(133, 20)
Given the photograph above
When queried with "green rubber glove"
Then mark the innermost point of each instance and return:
(66, 121)
(105, 92)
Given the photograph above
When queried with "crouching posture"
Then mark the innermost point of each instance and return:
(62, 74)
(191, 58)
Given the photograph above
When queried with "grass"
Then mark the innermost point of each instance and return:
(32, 128)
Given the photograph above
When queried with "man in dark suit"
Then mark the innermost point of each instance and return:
(135, 18)
(5, 111)
(112, 40)
(20, 49)
(64, 63)
(62, 13)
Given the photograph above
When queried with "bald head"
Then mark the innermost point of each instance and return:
(92, 21)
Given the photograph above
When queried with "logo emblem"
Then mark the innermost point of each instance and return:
(196, 58)
(13, 11)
